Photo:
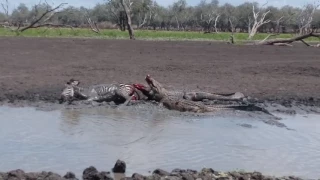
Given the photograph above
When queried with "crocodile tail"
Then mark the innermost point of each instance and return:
(249, 107)
(226, 107)
(252, 107)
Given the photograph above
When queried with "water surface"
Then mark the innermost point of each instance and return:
(73, 139)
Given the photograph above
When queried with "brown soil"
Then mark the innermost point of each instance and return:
(37, 68)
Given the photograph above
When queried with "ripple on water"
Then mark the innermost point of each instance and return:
(148, 138)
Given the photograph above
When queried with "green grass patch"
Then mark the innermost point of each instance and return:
(140, 34)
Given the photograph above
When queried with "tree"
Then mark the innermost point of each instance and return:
(306, 16)
(289, 21)
(41, 15)
(72, 16)
(245, 16)
(5, 8)
(316, 20)
(126, 4)
(154, 15)
(276, 19)
(208, 14)
(178, 10)
(229, 17)
(21, 14)
(99, 13)
(142, 12)
(258, 21)
(2, 17)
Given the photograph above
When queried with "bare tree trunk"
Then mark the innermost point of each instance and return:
(122, 20)
(249, 26)
(178, 25)
(92, 24)
(306, 17)
(128, 14)
(257, 23)
(231, 25)
(287, 42)
(278, 24)
(144, 21)
(215, 23)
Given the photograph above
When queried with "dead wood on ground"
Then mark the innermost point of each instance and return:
(288, 42)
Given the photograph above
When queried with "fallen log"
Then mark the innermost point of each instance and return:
(287, 42)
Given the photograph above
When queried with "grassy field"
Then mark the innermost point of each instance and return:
(140, 34)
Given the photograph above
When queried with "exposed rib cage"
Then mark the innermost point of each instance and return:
(109, 92)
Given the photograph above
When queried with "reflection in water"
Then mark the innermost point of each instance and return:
(73, 139)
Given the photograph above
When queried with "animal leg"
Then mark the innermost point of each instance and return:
(128, 100)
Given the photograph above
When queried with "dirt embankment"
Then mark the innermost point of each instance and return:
(37, 68)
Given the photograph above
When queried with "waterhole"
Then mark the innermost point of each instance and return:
(73, 139)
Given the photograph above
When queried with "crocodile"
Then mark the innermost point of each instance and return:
(193, 95)
(172, 102)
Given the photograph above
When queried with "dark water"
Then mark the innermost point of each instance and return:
(71, 140)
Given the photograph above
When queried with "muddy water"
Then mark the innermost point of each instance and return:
(73, 139)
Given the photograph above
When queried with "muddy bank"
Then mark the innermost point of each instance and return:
(91, 173)
(35, 69)
(274, 107)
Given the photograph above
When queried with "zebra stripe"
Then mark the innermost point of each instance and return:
(67, 94)
(104, 89)
(126, 89)
(99, 92)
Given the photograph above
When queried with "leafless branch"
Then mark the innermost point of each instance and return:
(215, 23)
(258, 23)
(279, 20)
(304, 42)
(268, 37)
(289, 41)
(231, 24)
(144, 20)
(305, 17)
(92, 24)
(37, 21)
(264, 4)
(5, 8)
(51, 25)
(282, 44)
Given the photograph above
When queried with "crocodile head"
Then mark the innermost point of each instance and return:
(147, 91)
(140, 87)
(156, 86)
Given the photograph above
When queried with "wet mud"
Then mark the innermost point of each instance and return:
(36, 69)
(285, 80)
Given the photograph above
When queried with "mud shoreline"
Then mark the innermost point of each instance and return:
(33, 70)
(283, 106)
